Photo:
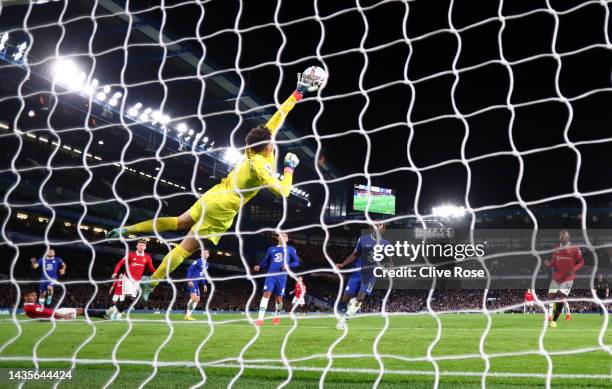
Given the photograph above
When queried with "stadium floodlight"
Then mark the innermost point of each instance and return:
(165, 119)
(187, 139)
(89, 89)
(3, 40)
(64, 70)
(100, 142)
(182, 127)
(205, 140)
(448, 211)
(20, 50)
(156, 115)
(101, 96)
(31, 113)
(190, 133)
(232, 156)
(144, 116)
(106, 89)
(112, 102)
(117, 95)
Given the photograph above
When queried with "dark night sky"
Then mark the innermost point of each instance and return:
(437, 138)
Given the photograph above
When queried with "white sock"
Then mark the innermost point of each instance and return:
(566, 307)
(41, 300)
(352, 309)
(49, 298)
(278, 309)
(190, 307)
(551, 309)
(263, 307)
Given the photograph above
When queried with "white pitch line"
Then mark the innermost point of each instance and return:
(315, 369)
(245, 324)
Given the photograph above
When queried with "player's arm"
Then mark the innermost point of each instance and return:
(62, 269)
(264, 262)
(110, 291)
(35, 262)
(580, 263)
(150, 264)
(305, 84)
(280, 187)
(279, 116)
(350, 259)
(294, 260)
(118, 267)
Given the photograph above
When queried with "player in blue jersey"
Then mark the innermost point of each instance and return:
(362, 280)
(51, 266)
(196, 276)
(278, 259)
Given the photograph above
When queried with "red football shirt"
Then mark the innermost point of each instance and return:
(37, 311)
(300, 290)
(566, 261)
(135, 265)
(528, 296)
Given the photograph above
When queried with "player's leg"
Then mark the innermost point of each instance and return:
(42, 292)
(263, 304)
(564, 291)
(280, 282)
(552, 294)
(49, 295)
(566, 307)
(101, 313)
(194, 300)
(278, 308)
(352, 287)
(170, 262)
(160, 224)
(355, 303)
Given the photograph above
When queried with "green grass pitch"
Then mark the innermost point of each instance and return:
(512, 345)
(379, 204)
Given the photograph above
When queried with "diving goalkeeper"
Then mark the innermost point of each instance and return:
(214, 212)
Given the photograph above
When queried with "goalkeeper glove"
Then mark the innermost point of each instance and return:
(307, 83)
(291, 162)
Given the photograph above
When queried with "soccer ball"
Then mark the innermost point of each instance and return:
(317, 75)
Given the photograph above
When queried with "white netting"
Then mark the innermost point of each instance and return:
(163, 108)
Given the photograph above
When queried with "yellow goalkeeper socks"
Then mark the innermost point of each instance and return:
(161, 224)
(174, 258)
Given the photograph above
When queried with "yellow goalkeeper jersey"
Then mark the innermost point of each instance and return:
(214, 212)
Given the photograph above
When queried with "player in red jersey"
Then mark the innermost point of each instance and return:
(116, 290)
(566, 260)
(529, 300)
(133, 266)
(300, 294)
(39, 311)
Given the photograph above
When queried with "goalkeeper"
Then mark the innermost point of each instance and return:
(214, 212)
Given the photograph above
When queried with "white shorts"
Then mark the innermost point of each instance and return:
(529, 303)
(118, 297)
(71, 312)
(298, 301)
(564, 287)
(130, 287)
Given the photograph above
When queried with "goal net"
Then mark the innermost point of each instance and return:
(114, 112)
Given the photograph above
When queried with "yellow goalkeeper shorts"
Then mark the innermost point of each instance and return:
(213, 215)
